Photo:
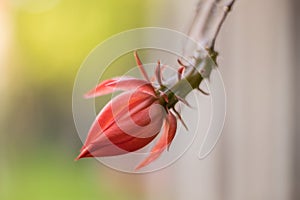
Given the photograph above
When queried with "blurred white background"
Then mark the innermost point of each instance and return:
(257, 155)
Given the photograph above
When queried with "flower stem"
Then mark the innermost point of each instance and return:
(203, 63)
(183, 87)
(227, 9)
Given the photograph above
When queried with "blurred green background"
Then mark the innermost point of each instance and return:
(50, 40)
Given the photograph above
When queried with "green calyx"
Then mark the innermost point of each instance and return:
(192, 80)
(180, 89)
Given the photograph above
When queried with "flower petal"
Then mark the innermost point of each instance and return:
(163, 142)
(123, 137)
(117, 107)
(140, 65)
(129, 83)
(101, 89)
(120, 83)
(111, 149)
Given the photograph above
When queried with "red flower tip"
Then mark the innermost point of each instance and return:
(163, 142)
(83, 153)
(120, 84)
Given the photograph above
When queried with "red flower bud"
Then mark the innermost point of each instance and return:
(124, 125)
(134, 118)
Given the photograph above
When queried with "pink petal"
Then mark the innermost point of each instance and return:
(163, 142)
(117, 107)
(111, 149)
(123, 137)
(114, 121)
(140, 65)
(129, 83)
(120, 83)
(101, 89)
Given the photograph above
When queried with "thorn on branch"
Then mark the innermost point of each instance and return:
(180, 118)
(202, 91)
